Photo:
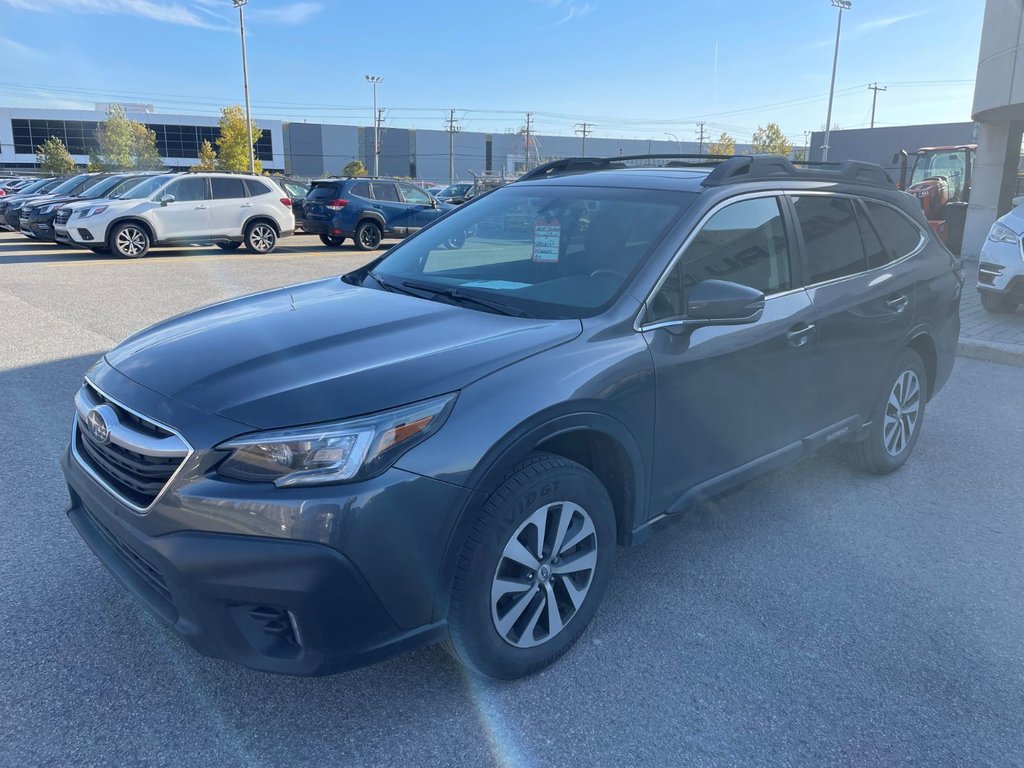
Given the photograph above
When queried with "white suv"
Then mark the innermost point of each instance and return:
(182, 209)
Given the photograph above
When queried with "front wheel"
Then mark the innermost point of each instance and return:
(533, 569)
(897, 419)
(998, 303)
(129, 241)
(260, 237)
(368, 236)
(332, 241)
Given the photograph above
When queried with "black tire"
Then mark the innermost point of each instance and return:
(534, 487)
(998, 303)
(332, 241)
(101, 251)
(260, 237)
(368, 236)
(129, 241)
(229, 246)
(875, 454)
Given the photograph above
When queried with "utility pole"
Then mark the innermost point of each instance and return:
(453, 128)
(374, 80)
(529, 128)
(584, 130)
(842, 5)
(239, 4)
(874, 97)
(701, 138)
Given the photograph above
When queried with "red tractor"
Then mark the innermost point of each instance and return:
(941, 179)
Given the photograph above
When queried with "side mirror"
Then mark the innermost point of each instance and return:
(719, 302)
(166, 199)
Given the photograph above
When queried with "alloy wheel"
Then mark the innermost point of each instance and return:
(369, 237)
(544, 574)
(901, 412)
(131, 241)
(262, 238)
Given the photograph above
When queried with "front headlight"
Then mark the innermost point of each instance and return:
(333, 453)
(50, 208)
(1001, 234)
(92, 211)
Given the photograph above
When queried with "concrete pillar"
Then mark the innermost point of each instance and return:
(986, 184)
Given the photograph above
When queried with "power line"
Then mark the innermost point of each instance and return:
(453, 128)
(875, 88)
(584, 130)
(701, 137)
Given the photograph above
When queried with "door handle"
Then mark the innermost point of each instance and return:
(202, 207)
(247, 205)
(897, 303)
(799, 335)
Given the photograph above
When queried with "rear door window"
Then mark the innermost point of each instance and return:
(227, 189)
(832, 238)
(384, 190)
(899, 233)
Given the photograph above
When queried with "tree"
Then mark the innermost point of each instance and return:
(207, 158)
(233, 143)
(769, 140)
(54, 159)
(355, 168)
(726, 145)
(123, 144)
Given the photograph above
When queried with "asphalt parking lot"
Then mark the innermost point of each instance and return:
(816, 617)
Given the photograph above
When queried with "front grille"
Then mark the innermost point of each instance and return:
(131, 472)
(138, 564)
(63, 216)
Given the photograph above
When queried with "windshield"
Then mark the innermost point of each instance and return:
(103, 186)
(949, 165)
(145, 188)
(119, 189)
(554, 252)
(35, 186)
(70, 184)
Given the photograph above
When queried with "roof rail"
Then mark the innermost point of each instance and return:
(758, 167)
(570, 165)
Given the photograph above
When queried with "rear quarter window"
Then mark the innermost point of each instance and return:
(361, 189)
(900, 234)
(256, 187)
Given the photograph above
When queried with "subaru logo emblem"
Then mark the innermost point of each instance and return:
(97, 426)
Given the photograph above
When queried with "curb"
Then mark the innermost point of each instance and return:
(992, 351)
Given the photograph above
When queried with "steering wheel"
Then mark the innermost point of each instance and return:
(611, 272)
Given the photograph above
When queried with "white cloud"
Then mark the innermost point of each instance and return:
(863, 29)
(291, 14)
(170, 13)
(567, 10)
(20, 51)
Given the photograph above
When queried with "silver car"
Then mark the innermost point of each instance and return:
(1001, 268)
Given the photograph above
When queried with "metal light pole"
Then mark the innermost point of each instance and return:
(842, 5)
(374, 80)
(679, 147)
(239, 4)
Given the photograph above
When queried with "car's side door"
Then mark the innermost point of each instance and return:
(731, 398)
(423, 209)
(397, 214)
(229, 207)
(864, 298)
(187, 216)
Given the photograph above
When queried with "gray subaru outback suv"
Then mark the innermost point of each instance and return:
(449, 443)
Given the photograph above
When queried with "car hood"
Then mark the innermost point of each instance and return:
(1014, 220)
(325, 350)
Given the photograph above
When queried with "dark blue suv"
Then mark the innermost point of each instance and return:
(366, 209)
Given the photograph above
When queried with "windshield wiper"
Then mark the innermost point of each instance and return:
(459, 297)
(389, 287)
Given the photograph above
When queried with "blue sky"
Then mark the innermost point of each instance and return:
(639, 68)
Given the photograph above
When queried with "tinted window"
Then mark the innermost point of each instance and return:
(361, 189)
(414, 195)
(384, 190)
(831, 237)
(184, 190)
(290, 187)
(877, 254)
(227, 189)
(744, 243)
(259, 188)
(896, 230)
(323, 192)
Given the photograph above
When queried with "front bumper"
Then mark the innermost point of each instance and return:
(1001, 268)
(40, 228)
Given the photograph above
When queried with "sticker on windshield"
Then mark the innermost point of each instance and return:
(547, 235)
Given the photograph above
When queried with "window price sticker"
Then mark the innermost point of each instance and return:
(547, 235)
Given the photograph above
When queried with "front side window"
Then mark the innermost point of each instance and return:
(414, 195)
(384, 190)
(744, 243)
(187, 190)
(832, 238)
(227, 189)
(552, 252)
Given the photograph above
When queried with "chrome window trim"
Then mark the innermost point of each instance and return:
(190, 451)
(638, 325)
